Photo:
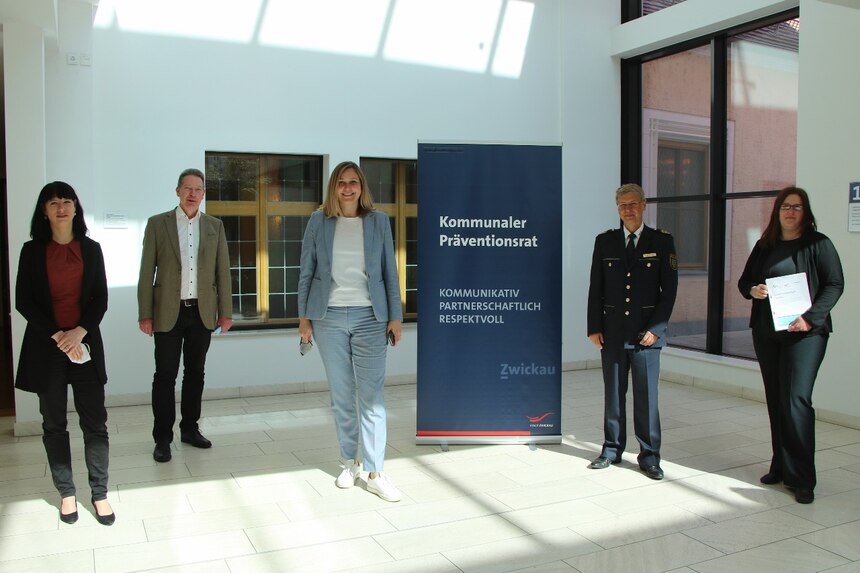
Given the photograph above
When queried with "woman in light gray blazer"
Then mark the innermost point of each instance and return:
(349, 302)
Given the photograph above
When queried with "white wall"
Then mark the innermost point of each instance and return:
(828, 149)
(160, 100)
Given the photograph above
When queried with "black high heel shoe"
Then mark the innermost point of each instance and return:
(69, 517)
(103, 519)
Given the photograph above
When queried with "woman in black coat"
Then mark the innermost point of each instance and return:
(62, 292)
(789, 359)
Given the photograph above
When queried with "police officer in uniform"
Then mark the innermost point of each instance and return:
(634, 280)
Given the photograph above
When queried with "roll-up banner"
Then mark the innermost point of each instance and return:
(489, 293)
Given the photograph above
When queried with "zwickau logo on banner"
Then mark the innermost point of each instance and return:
(506, 370)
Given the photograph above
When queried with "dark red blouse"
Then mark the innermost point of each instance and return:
(65, 273)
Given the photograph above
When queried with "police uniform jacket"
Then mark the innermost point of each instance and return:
(624, 303)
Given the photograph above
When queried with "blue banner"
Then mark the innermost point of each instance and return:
(489, 293)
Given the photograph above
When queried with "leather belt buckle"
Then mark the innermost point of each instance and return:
(189, 302)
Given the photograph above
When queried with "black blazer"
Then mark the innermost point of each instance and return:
(33, 301)
(817, 257)
(625, 302)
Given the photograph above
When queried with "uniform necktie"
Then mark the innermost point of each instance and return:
(631, 249)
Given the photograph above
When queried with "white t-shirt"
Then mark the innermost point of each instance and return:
(349, 279)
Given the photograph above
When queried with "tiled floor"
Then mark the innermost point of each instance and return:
(263, 498)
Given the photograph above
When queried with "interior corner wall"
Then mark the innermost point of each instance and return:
(827, 161)
(591, 156)
(24, 95)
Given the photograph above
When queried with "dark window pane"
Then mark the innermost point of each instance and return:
(248, 280)
(276, 306)
(231, 228)
(412, 182)
(276, 281)
(293, 252)
(292, 279)
(248, 229)
(248, 254)
(248, 306)
(292, 309)
(276, 254)
(276, 228)
(381, 177)
(233, 252)
(411, 302)
(294, 227)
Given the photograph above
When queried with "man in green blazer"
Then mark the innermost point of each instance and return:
(183, 294)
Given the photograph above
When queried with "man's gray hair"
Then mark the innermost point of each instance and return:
(630, 188)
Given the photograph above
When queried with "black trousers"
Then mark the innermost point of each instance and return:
(89, 397)
(190, 339)
(644, 363)
(789, 366)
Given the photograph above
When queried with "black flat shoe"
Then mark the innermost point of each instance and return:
(770, 478)
(653, 472)
(602, 462)
(196, 439)
(803, 495)
(103, 519)
(161, 453)
(69, 517)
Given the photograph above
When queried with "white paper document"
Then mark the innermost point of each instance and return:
(789, 298)
(85, 356)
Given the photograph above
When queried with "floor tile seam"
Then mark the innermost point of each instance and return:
(757, 548)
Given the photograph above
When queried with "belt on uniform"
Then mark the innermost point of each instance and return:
(189, 302)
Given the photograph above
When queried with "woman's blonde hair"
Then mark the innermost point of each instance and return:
(331, 206)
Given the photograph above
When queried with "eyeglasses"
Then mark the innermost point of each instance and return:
(789, 207)
(634, 205)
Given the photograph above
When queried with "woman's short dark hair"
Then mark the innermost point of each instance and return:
(773, 231)
(40, 227)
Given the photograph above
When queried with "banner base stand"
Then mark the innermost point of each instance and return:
(445, 441)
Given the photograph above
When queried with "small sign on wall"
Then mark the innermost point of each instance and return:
(116, 220)
(854, 207)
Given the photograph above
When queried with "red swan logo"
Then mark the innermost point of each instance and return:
(536, 419)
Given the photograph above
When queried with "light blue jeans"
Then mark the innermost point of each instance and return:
(352, 345)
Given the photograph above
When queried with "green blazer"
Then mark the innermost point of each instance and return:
(158, 286)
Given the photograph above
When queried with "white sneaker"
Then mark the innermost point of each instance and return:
(383, 487)
(349, 475)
